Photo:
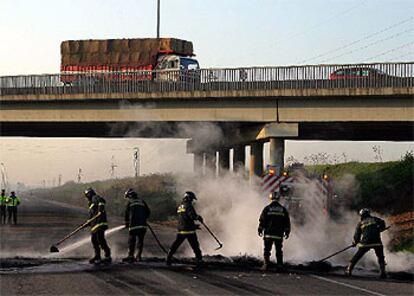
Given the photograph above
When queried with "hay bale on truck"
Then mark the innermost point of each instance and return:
(127, 55)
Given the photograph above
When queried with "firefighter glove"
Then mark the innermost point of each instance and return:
(200, 219)
(260, 231)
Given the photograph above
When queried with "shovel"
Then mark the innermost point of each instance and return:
(54, 249)
(212, 234)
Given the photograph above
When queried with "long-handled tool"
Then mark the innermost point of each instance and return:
(157, 240)
(54, 249)
(212, 234)
(343, 250)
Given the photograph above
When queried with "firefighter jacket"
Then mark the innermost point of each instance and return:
(186, 216)
(3, 200)
(274, 221)
(97, 205)
(12, 201)
(368, 232)
(136, 214)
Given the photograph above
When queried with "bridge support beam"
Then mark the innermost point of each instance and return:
(224, 161)
(239, 158)
(256, 159)
(277, 154)
(198, 163)
(210, 166)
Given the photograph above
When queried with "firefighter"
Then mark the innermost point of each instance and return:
(3, 199)
(98, 226)
(136, 215)
(12, 202)
(368, 236)
(274, 224)
(187, 228)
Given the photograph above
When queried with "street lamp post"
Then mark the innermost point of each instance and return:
(158, 18)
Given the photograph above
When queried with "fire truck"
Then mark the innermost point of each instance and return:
(297, 187)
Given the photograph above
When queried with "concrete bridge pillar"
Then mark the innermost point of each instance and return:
(198, 163)
(224, 161)
(277, 154)
(256, 159)
(210, 159)
(239, 156)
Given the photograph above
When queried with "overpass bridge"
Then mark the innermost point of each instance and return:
(219, 109)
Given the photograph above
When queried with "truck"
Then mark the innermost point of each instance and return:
(297, 187)
(123, 60)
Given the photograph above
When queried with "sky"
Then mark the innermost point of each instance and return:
(225, 33)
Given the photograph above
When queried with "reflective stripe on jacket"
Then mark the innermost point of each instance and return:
(136, 214)
(368, 232)
(12, 201)
(274, 221)
(186, 217)
(97, 205)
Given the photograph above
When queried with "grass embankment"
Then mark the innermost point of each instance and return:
(385, 187)
(157, 190)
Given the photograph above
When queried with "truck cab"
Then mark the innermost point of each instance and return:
(177, 68)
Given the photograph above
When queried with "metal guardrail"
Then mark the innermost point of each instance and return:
(376, 75)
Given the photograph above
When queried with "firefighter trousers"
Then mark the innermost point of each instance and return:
(3, 214)
(379, 251)
(268, 244)
(132, 241)
(12, 214)
(99, 242)
(192, 239)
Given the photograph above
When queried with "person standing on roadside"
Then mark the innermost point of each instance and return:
(3, 199)
(274, 225)
(136, 214)
(12, 202)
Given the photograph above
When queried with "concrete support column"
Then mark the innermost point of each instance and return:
(277, 154)
(256, 159)
(239, 156)
(198, 163)
(224, 161)
(210, 158)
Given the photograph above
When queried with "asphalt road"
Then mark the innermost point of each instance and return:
(27, 268)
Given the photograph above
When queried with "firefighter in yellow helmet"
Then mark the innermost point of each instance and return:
(274, 225)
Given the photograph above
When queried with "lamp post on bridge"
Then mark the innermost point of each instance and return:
(158, 18)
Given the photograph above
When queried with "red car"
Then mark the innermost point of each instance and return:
(356, 73)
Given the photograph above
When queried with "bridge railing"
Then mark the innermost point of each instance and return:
(376, 75)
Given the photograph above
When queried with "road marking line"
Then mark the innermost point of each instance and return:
(346, 285)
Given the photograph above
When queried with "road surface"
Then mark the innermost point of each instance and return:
(27, 268)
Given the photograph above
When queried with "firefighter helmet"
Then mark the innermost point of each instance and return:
(89, 192)
(364, 212)
(130, 193)
(275, 195)
(189, 196)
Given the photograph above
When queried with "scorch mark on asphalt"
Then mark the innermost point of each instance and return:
(346, 285)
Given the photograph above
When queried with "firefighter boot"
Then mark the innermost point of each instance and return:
(266, 263)
(348, 269)
(95, 260)
(129, 259)
(107, 258)
(383, 274)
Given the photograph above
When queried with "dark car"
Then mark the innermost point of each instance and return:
(357, 73)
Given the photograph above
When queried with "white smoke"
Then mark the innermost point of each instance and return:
(231, 206)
